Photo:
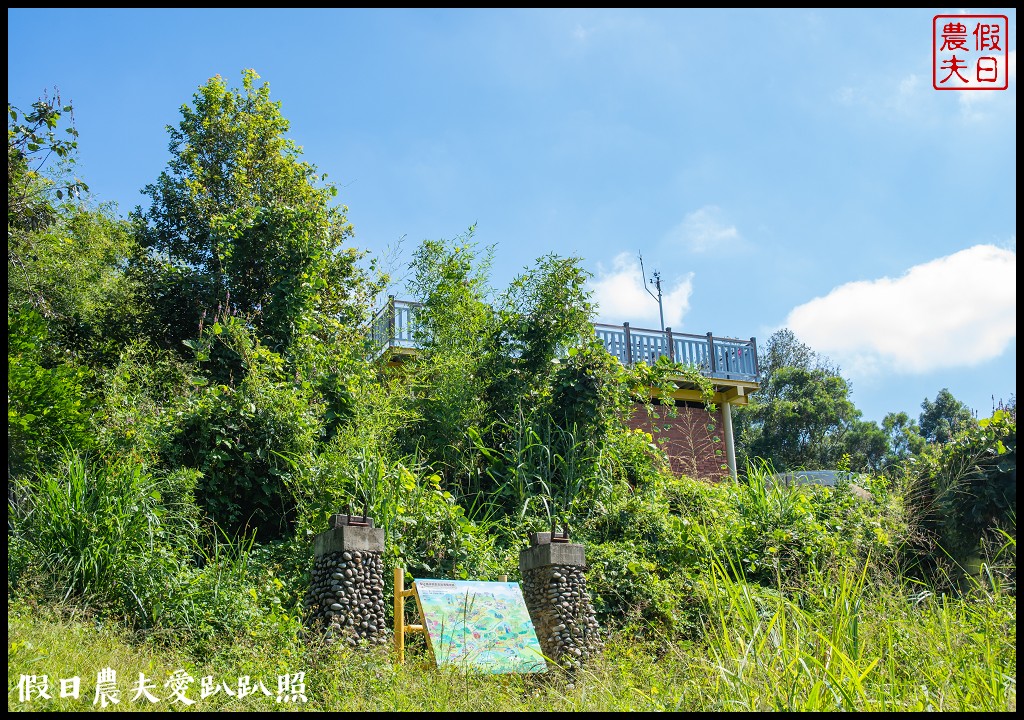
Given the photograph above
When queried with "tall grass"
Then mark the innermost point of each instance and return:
(840, 640)
(840, 644)
(852, 635)
(542, 469)
(91, 523)
(853, 647)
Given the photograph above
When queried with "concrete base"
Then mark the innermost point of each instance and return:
(566, 554)
(349, 537)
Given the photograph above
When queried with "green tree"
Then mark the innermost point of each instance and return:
(70, 307)
(247, 264)
(867, 445)
(72, 273)
(239, 220)
(802, 415)
(550, 388)
(514, 398)
(65, 258)
(805, 423)
(942, 418)
(450, 280)
(904, 438)
(784, 349)
(543, 316)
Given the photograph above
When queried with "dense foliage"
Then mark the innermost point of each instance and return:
(192, 394)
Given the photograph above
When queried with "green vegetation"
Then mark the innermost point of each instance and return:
(190, 398)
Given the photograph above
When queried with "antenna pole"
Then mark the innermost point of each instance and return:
(656, 282)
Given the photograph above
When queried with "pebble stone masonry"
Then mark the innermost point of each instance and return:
(346, 596)
(555, 591)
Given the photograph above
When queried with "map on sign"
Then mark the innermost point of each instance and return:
(481, 626)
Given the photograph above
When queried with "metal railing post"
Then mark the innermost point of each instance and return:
(753, 347)
(671, 345)
(391, 320)
(711, 354)
(629, 345)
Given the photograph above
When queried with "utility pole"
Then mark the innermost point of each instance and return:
(654, 280)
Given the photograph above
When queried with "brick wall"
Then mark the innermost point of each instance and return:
(688, 438)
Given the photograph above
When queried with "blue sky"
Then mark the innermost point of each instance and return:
(778, 168)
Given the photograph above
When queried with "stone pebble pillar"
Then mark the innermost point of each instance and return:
(346, 596)
(555, 591)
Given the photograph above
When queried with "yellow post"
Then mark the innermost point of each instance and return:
(400, 614)
(503, 578)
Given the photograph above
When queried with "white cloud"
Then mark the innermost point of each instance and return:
(621, 296)
(900, 96)
(974, 104)
(954, 311)
(705, 229)
(580, 33)
(908, 85)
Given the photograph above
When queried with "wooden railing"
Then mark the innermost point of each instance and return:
(717, 357)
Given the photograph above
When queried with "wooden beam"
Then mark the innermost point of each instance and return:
(735, 394)
(399, 576)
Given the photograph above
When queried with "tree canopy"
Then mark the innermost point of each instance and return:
(802, 415)
(943, 417)
(191, 397)
(239, 220)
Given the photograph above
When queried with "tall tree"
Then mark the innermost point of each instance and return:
(904, 438)
(784, 349)
(942, 418)
(239, 220)
(544, 313)
(248, 264)
(69, 305)
(802, 415)
(450, 279)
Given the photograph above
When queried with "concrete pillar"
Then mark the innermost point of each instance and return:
(346, 596)
(730, 445)
(555, 590)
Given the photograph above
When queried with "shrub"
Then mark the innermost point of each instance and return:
(962, 493)
(94, 526)
(238, 433)
(48, 405)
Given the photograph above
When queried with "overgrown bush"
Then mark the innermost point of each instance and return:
(96, 527)
(239, 433)
(780, 531)
(962, 495)
(142, 394)
(425, 529)
(640, 569)
(647, 548)
(49, 402)
(629, 589)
